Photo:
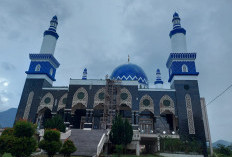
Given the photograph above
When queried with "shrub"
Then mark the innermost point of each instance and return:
(55, 123)
(19, 140)
(8, 131)
(7, 155)
(68, 148)
(51, 143)
(23, 128)
(119, 149)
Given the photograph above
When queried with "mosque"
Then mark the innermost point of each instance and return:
(91, 104)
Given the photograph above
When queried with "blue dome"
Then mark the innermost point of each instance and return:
(130, 72)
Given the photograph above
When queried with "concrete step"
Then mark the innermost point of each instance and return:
(86, 141)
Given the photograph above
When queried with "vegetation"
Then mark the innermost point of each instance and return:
(177, 145)
(68, 148)
(19, 140)
(119, 150)
(121, 132)
(51, 142)
(55, 122)
(223, 151)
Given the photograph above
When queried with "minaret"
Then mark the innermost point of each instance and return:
(180, 62)
(44, 64)
(84, 76)
(158, 82)
(50, 38)
(41, 74)
(177, 36)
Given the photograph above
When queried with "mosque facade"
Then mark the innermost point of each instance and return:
(93, 103)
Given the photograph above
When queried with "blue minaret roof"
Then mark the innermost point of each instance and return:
(84, 76)
(176, 26)
(52, 28)
(158, 78)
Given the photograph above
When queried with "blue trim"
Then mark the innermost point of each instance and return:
(158, 82)
(48, 32)
(175, 31)
(49, 57)
(180, 56)
(181, 74)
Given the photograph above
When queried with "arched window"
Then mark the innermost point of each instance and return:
(51, 71)
(37, 68)
(184, 68)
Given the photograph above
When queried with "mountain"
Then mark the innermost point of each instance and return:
(7, 117)
(223, 142)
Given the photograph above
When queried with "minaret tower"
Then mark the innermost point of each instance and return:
(84, 76)
(41, 74)
(44, 65)
(180, 62)
(183, 79)
(158, 82)
(177, 36)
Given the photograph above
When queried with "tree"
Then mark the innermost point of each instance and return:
(68, 148)
(51, 142)
(128, 132)
(117, 131)
(121, 132)
(55, 123)
(18, 141)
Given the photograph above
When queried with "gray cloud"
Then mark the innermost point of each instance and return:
(8, 66)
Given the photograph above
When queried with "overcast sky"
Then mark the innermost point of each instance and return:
(99, 35)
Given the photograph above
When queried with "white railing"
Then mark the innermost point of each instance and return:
(65, 135)
(102, 142)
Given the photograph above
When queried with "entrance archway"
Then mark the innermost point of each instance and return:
(98, 115)
(43, 115)
(78, 116)
(146, 122)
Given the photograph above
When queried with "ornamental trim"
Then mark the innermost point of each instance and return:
(83, 101)
(28, 105)
(170, 108)
(96, 97)
(128, 100)
(61, 104)
(142, 107)
(43, 104)
(189, 114)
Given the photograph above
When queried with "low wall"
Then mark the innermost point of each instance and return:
(179, 155)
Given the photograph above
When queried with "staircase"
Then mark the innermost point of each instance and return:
(86, 141)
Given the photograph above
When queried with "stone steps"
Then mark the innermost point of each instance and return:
(86, 141)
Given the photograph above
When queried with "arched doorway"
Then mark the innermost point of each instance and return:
(98, 116)
(43, 115)
(146, 122)
(78, 116)
(125, 112)
(61, 113)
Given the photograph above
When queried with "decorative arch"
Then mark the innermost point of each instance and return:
(81, 98)
(28, 105)
(189, 114)
(167, 105)
(62, 103)
(99, 97)
(37, 68)
(46, 101)
(125, 97)
(146, 103)
(184, 68)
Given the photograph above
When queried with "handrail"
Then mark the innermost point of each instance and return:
(101, 144)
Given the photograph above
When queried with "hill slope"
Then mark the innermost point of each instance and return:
(7, 117)
(223, 142)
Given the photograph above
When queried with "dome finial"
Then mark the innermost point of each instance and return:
(53, 23)
(128, 58)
